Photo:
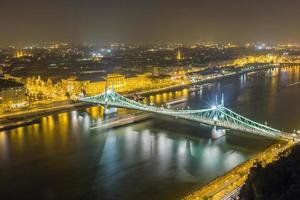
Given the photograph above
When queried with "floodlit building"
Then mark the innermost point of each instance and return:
(72, 86)
(117, 81)
(93, 88)
(178, 56)
(1, 71)
(138, 82)
(12, 95)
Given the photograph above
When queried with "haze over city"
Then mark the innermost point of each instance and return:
(144, 22)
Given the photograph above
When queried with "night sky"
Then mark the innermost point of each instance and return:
(149, 21)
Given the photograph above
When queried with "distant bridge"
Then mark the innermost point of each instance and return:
(218, 116)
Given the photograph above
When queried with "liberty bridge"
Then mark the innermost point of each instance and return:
(216, 116)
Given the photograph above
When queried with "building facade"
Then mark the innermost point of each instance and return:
(116, 81)
(12, 95)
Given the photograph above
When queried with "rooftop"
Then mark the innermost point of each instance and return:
(4, 84)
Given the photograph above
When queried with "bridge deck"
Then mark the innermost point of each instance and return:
(219, 116)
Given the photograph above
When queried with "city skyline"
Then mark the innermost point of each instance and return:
(148, 22)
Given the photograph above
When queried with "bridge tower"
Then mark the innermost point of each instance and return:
(222, 100)
(216, 133)
(108, 109)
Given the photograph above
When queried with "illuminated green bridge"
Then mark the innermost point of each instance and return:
(217, 116)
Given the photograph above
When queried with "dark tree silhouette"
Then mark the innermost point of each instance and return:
(277, 181)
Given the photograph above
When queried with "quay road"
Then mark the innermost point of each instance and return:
(228, 185)
(28, 116)
(34, 109)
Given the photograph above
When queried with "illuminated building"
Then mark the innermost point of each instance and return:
(1, 71)
(117, 81)
(179, 73)
(156, 71)
(259, 59)
(19, 54)
(22, 53)
(178, 56)
(12, 95)
(72, 86)
(139, 82)
(38, 89)
(92, 88)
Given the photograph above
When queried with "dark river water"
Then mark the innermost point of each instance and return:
(160, 158)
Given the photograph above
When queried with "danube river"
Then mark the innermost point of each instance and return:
(161, 158)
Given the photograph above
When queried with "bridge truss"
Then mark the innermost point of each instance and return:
(218, 116)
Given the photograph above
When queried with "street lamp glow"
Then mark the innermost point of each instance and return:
(214, 107)
(108, 91)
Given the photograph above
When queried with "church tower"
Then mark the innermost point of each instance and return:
(19, 54)
(178, 56)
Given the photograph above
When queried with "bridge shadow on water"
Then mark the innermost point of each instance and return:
(180, 152)
(206, 159)
(197, 130)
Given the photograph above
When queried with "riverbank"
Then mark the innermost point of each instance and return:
(25, 117)
(279, 180)
(208, 80)
(228, 185)
(21, 118)
(182, 86)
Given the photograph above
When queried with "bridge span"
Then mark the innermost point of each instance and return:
(218, 116)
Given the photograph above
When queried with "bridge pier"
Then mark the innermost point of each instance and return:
(109, 110)
(216, 133)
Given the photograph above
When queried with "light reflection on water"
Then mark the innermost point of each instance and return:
(161, 158)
